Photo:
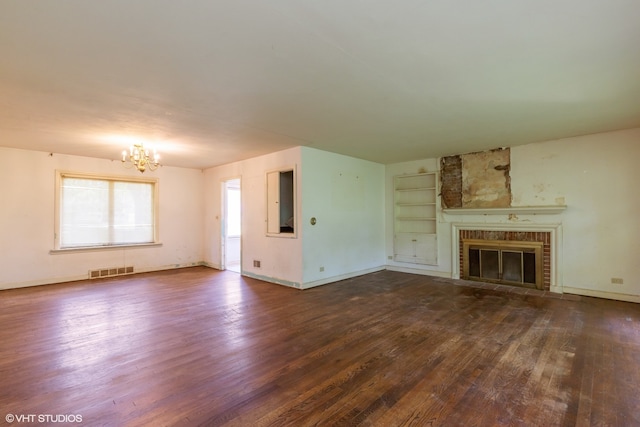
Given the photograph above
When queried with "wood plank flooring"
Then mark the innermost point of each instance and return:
(202, 347)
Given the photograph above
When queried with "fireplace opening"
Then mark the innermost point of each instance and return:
(507, 262)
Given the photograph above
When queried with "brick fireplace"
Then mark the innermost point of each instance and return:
(517, 236)
(513, 242)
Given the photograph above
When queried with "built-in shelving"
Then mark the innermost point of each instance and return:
(415, 224)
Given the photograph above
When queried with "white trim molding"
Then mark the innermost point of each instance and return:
(554, 229)
(602, 294)
(522, 210)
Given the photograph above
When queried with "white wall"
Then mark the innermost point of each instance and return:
(27, 180)
(352, 200)
(346, 197)
(280, 257)
(344, 194)
(597, 177)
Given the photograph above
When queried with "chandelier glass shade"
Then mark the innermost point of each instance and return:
(140, 158)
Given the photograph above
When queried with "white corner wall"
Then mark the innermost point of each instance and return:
(280, 257)
(345, 195)
(27, 220)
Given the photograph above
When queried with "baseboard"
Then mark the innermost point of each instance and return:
(556, 289)
(274, 280)
(42, 282)
(333, 279)
(444, 274)
(601, 294)
(307, 285)
(211, 265)
(315, 283)
(76, 278)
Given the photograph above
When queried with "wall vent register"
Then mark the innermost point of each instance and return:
(110, 272)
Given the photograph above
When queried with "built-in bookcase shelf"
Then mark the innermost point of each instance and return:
(415, 231)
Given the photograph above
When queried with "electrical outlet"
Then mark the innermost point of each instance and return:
(390, 257)
(256, 263)
(617, 281)
(321, 269)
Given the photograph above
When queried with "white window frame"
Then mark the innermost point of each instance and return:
(113, 178)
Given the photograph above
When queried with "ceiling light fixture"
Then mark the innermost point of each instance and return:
(138, 157)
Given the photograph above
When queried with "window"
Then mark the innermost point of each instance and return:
(281, 203)
(97, 211)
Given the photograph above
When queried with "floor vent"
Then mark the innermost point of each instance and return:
(109, 272)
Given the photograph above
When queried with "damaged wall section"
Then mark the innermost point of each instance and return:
(451, 179)
(476, 180)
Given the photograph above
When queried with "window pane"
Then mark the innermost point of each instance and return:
(100, 212)
(474, 262)
(286, 202)
(132, 212)
(84, 213)
(512, 266)
(530, 267)
(490, 265)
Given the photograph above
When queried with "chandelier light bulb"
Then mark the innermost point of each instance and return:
(139, 158)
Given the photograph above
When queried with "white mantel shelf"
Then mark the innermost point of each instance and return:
(522, 210)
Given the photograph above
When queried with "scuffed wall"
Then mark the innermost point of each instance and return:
(476, 180)
(485, 179)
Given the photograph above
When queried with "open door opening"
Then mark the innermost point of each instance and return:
(231, 226)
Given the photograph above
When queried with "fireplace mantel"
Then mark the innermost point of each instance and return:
(522, 210)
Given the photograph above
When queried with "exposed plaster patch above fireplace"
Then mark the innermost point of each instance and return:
(476, 180)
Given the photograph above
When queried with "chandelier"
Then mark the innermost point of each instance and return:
(139, 157)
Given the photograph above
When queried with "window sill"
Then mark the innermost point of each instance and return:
(283, 235)
(103, 248)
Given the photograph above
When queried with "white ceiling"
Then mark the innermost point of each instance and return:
(212, 82)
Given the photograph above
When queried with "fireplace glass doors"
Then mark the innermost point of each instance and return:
(501, 261)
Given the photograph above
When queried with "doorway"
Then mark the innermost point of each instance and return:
(231, 226)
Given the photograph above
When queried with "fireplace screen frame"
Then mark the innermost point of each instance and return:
(537, 248)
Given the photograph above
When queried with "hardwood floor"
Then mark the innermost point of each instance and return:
(202, 347)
